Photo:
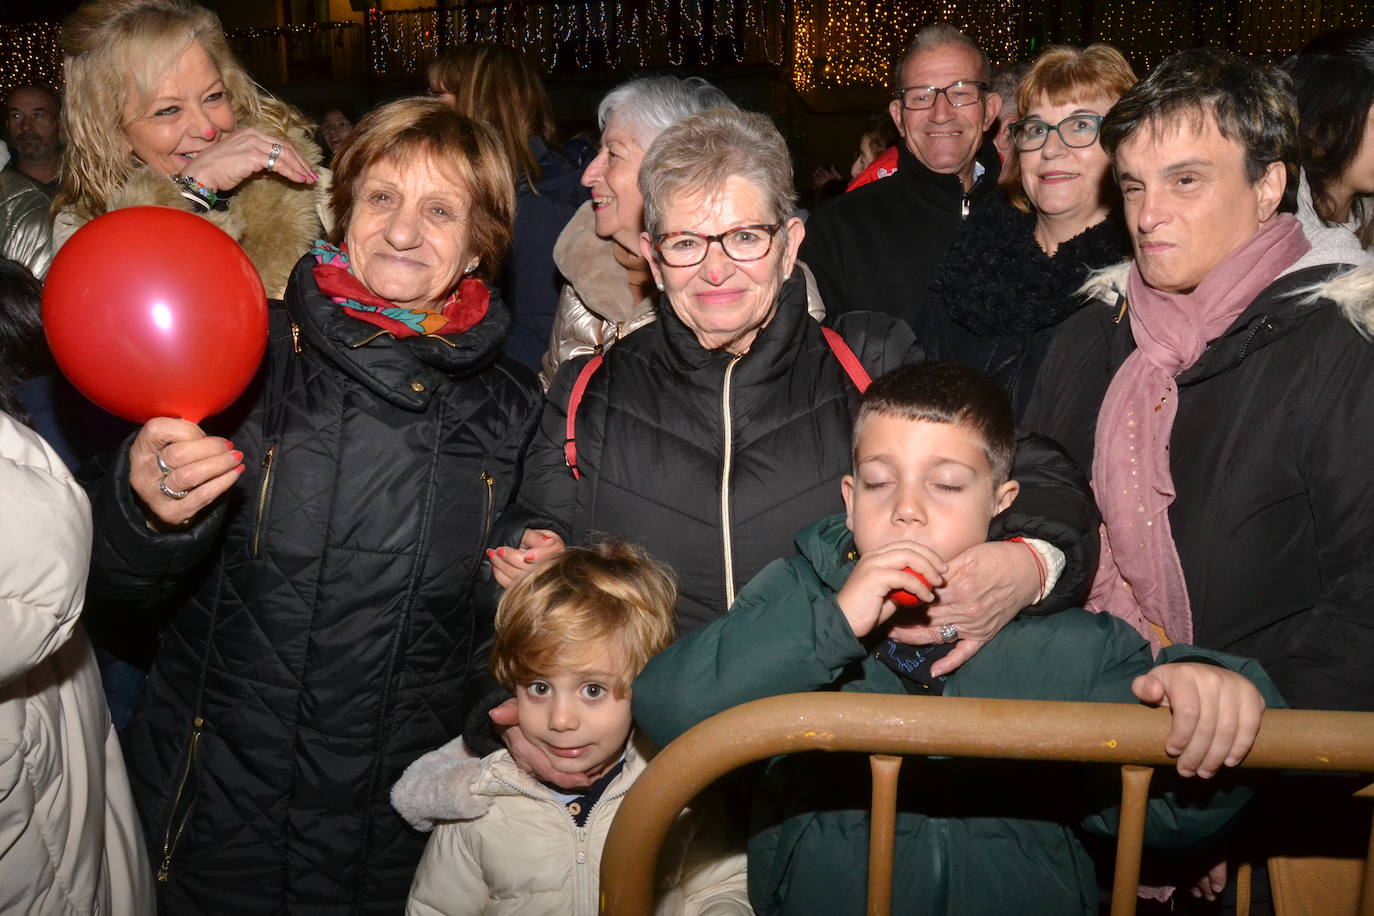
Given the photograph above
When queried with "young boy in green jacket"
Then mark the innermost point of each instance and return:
(933, 445)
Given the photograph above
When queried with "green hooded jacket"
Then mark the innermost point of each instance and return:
(973, 836)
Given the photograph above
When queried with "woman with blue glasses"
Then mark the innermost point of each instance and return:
(1012, 275)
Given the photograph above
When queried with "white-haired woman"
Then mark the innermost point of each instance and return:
(608, 290)
(158, 112)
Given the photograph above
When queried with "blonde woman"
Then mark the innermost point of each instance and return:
(159, 112)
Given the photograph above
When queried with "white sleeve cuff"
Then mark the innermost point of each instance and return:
(1051, 559)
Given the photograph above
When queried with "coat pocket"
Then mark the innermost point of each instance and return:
(183, 801)
(264, 494)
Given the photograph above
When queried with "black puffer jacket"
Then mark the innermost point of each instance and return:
(715, 462)
(1274, 517)
(877, 247)
(322, 634)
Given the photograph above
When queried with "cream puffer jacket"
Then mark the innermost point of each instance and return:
(595, 306)
(70, 841)
(504, 844)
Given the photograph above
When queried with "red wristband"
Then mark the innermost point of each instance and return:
(1039, 565)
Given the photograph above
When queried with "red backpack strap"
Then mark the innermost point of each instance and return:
(579, 388)
(852, 367)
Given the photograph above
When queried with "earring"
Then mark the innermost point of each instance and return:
(469, 269)
(786, 277)
(660, 286)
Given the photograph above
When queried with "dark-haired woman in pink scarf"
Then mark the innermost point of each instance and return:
(1224, 395)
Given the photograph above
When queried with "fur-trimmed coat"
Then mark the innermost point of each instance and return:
(1274, 514)
(274, 220)
(595, 306)
(504, 843)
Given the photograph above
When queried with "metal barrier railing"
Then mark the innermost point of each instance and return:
(1131, 736)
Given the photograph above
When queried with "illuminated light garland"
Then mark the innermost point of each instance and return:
(30, 54)
(832, 43)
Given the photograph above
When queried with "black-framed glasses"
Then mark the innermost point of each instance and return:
(918, 98)
(1077, 131)
(742, 243)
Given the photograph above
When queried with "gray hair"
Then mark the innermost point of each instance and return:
(699, 153)
(1006, 81)
(939, 35)
(649, 105)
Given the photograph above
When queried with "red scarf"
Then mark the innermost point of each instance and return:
(334, 276)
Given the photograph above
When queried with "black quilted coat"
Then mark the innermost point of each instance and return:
(322, 632)
(714, 462)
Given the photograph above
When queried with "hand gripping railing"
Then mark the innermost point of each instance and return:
(1129, 735)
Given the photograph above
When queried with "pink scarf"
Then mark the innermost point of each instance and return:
(1140, 577)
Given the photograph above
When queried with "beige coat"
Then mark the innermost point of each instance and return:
(274, 220)
(595, 306)
(511, 847)
(70, 841)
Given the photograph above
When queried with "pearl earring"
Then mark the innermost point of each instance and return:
(660, 286)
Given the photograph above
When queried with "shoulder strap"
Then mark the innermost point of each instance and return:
(579, 388)
(852, 367)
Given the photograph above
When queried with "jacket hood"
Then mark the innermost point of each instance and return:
(828, 546)
(585, 261)
(449, 784)
(406, 371)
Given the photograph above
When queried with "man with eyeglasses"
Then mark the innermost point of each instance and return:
(877, 247)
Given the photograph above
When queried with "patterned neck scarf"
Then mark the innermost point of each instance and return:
(463, 310)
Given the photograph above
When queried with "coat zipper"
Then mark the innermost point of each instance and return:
(262, 496)
(725, 486)
(172, 835)
(491, 505)
(1260, 325)
(295, 337)
(583, 890)
(964, 205)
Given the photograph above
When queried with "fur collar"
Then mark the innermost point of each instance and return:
(586, 262)
(1352, 291)
(452, 784)
(997, 280)
(274, 220)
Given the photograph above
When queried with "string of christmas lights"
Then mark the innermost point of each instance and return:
(823, 43)
(617, 34)
(30, 54)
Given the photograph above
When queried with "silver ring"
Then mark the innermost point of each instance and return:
(948, 632)
(168, 491)
(162, 465)
(272, 159)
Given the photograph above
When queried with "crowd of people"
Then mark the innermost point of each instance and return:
(558, 449)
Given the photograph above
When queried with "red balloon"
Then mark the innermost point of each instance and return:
(903, 598)
(155, 312)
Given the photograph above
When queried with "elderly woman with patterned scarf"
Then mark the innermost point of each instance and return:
(316, 550)
(159, 112)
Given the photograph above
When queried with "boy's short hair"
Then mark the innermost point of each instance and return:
(946, 393)
(570, 606)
